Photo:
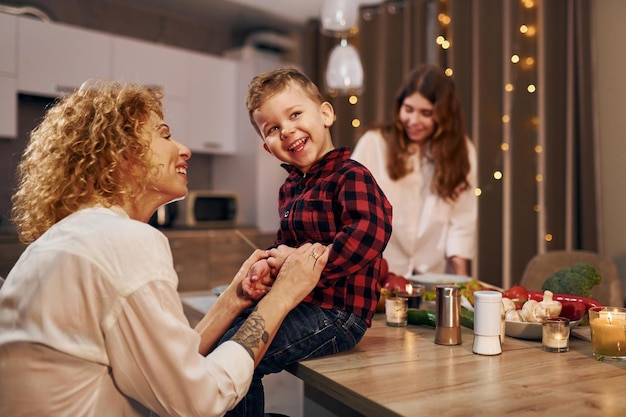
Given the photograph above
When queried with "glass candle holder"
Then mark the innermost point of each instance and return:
(396, 309)
(555, 334)
(414, 297)
(608, 332)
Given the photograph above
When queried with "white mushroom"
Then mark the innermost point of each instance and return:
(552, 308)
(532, 312)
(513, 315)
(508, 304)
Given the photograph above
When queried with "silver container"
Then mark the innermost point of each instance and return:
(447, 320)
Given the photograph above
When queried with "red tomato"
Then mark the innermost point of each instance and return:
(384, 270)
(516, 292)
(395, 283)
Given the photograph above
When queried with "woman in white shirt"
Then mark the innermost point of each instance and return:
(91, 323)
(426, 166)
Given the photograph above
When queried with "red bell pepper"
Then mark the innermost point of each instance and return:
(574, 307)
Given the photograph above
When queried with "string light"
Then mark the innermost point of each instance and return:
(523, 62)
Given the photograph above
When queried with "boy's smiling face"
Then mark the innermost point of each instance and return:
(295, 128)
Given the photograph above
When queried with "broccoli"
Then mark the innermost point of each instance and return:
(576, 280)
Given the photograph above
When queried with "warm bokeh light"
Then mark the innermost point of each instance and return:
(353, 99)
(538, 149)
(440, 39)
(508, 87)
(532, 31)
(506, 118)
(356, 123)
(539, 178)
(445, 45)
(523, 29)
(515, 59)
(529, 61)
(444, 19)
(449, 72)
(504, 146)
(531, 88)
(548, 237)
(497, 175)
(537, 208)
(478, 191)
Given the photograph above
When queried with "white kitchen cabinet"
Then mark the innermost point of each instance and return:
(54, 59)
(49, 59)
(8, 44)
(8, 76)
(212, 103)
(151, 64)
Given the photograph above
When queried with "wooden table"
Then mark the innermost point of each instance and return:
(400, 371)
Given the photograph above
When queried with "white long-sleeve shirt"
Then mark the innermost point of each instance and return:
(426, 229)
(91, 325)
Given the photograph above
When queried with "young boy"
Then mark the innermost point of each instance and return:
(326, 198)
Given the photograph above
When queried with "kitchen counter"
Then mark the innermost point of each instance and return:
(400, 371)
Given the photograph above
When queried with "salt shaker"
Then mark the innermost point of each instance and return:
(487, 322)
(447, 319)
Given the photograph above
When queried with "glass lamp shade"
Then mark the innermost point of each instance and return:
(339, 16)
(344, 73)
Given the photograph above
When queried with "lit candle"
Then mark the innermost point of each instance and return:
(608, 331)
(555, 337)
(413, 295)
(396, 311)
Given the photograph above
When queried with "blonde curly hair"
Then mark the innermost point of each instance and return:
(88, 150)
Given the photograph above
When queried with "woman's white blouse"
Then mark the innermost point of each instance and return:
(426, 229)
(91, 324)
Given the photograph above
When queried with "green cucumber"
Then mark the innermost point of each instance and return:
(427, 317)
(421, 317)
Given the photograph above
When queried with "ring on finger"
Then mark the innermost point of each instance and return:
(315, 255)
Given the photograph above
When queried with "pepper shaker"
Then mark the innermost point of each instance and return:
(447, 319)
(487, 322)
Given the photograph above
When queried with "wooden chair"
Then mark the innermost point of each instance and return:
(542, 266)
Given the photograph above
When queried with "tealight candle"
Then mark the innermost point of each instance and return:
(608, 332)
(555, 334)
(413, 295)
(396, 311)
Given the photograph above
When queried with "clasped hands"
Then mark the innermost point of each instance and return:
(263, 273)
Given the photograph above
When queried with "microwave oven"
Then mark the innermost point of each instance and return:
(207, 208)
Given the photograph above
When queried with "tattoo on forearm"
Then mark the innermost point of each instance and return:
(251, 333)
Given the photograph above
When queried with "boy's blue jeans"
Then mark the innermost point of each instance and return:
(307, 332)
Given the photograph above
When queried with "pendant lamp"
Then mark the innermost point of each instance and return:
(339, 16)
(344, 72)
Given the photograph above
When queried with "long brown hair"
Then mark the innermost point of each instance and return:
(448, 141)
